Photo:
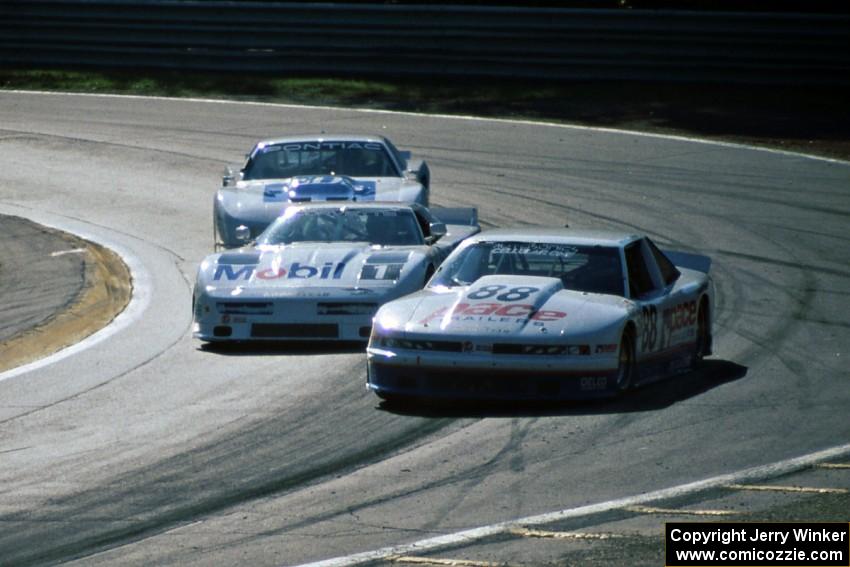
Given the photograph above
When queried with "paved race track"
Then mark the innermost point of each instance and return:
(145, 449)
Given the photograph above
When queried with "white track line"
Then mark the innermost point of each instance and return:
(474, 534)
(444, 117)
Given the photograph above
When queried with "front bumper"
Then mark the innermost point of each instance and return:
(466, 376)
(280, 320)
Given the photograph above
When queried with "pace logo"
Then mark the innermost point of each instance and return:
(495, 313)
(296, 271)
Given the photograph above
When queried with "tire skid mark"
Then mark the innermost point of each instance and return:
(160, 512)
(37, 136)
(512, 449)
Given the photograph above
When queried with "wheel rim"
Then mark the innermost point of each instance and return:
(702, 334)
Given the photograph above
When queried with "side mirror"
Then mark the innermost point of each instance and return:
(438, 230)
(230, 176)
(242, 234)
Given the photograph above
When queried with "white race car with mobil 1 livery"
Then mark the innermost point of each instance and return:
(544, 314)
(290, 170)
(321, 270)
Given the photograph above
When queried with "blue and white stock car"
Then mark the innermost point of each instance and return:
(321, 270)
(308, 169)
(544, 314)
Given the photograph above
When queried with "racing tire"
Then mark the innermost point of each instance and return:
(624, 380)
(703, 341)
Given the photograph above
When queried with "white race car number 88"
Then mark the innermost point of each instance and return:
(512, 294)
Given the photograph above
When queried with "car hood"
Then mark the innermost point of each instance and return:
(503, 307)
(274, 270)
(264, 199)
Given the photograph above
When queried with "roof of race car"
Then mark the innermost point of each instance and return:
(382, 205)
(323, 138)
(557, 236)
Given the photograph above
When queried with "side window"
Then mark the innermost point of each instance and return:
(669, 273)
(424, 222)
(402, 163)
(640, 280)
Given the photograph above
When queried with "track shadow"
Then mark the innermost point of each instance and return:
(283, 348)
(651, 397)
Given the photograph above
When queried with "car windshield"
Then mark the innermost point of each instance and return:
(595, 269)
(375, 226)
(354, 159)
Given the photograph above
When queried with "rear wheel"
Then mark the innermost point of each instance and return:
(626, 366)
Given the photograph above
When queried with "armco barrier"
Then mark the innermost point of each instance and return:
(448, 41)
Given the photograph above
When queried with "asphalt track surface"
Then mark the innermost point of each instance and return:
(143, 448)
(42, 273)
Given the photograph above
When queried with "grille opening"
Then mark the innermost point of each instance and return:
(541, 349)
(294, 331)
(222, 331)
(416, 344)
(244, 307)
(348, 308)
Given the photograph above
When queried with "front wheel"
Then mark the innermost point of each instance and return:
(703, 342)
(626, 365)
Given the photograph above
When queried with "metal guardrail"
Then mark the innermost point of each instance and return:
(448, 41)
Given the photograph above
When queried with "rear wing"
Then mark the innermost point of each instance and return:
(689, 261)
(467, 216)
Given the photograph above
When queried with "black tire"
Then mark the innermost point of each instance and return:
(626, 367)
(702, 346)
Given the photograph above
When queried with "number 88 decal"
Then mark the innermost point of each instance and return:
(649, 331)
(512, 294)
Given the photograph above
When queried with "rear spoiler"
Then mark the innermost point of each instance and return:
(467, 216)
(689, 261)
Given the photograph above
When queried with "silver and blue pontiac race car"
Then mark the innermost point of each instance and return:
(307, 169)
(544, 314)
(321, 270)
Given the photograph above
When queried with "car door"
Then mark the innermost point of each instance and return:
(679, 317)
(649, 290)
